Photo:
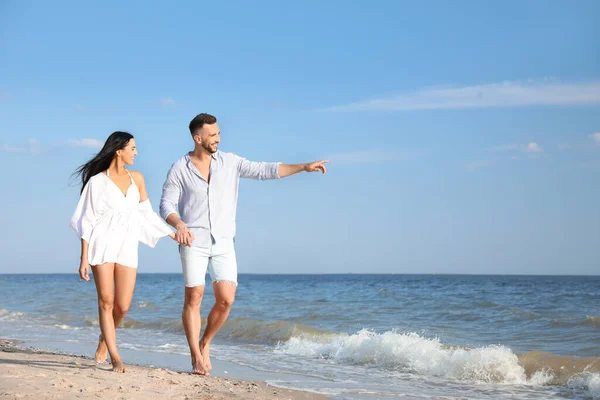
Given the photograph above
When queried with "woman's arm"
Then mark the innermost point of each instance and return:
(84, 267)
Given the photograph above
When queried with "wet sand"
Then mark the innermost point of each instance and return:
(40, 374)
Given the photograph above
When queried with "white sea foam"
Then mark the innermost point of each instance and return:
(410, 352)
(63, 326)
(169, 346)
(589, 383)
(147, 304)
(10, 315)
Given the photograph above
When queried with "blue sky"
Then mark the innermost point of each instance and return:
(463, 137)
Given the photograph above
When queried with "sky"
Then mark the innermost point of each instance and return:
(462, 137)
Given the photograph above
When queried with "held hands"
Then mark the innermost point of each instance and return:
(183, 235)
(316, 166)
(84, 270)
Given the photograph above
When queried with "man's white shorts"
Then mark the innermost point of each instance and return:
(219, 259)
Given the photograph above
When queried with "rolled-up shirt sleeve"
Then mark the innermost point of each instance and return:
(258, 169)
(171, 193)
(85, 216)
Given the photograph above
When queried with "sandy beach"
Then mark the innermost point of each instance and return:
(39, 374)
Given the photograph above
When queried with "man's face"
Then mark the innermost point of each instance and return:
(210, 136)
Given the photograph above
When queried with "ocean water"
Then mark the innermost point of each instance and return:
(348, 336)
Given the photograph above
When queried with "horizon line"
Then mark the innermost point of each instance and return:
(333, 273)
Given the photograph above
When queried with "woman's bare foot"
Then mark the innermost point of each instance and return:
(101, 350)
(118, 366)
(198, 367)
(205, 350)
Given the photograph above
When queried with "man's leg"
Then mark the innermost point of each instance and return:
(192, 325)
(194, 262)
(223, 270)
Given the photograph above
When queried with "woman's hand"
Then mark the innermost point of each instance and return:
(84, 270)
(172, 236)
(184, 235)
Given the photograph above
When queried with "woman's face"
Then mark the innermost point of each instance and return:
(128, 153)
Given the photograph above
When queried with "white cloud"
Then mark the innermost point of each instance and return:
(93, 143)
(530, 147)
(368, 156)
(4, 148)
(503, 94)
(34, 146)
(167, 102)
(595, 137)
(534, 148)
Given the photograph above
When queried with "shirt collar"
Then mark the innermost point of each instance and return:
(188, 161)
(191, 167)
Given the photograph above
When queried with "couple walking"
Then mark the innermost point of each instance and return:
(199, 200)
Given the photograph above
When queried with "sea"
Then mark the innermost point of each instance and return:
(349, 336)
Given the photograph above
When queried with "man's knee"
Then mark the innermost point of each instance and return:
(193, 296)
(224, 294)
(225, 301)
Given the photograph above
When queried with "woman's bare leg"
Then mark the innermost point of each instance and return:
(104, 276)
(125, 278)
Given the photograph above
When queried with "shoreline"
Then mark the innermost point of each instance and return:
(39, 373)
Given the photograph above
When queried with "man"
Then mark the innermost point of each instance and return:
(199, 199)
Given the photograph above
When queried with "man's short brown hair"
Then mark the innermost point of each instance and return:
(199, 120)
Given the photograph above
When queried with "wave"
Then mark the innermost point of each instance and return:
(147, 305)
(253, 330)
(412, 353)
(239, 329)
(65, 327)
(594, 321)
(588, 321)
(167, 325)
(553, 319)
(586, 382)
(562, 368)
(10, 315)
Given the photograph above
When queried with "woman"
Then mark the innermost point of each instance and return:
(113, 215)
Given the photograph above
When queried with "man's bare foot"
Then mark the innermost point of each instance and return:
(101, 351)
(205, 350)
(118, 366)
(198, 367)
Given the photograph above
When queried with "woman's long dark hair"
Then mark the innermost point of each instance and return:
(116, 141)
